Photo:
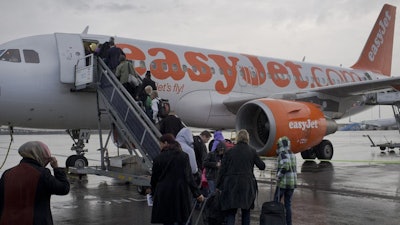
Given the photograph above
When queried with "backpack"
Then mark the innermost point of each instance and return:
(163, 108)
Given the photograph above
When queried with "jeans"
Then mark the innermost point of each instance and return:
(231, 214)
(287, 194)
(211, 186)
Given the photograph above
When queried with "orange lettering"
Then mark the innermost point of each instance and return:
(316, 82)
(276, 70)
(203, 71)
(351, 74)
(134, 53)
(261, 76)
(297, 74)
(331, 71)
(168, 67)
(229, 71)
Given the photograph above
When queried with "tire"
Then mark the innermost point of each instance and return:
(309, 154)
(324, 150)
(77, 161)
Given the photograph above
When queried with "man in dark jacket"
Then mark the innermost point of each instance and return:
(236, 179)
(147, 81)
(25, 189)
(199, 146)
(113, 54)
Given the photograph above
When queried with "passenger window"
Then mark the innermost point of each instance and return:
(11, 55)
(31, 56)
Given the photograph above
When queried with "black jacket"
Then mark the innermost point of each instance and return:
(25, 192)
(236, 178)
(172, 186)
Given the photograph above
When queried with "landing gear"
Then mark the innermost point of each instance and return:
(323, 151)
(309, 154)
(77, 161)
(79, 136)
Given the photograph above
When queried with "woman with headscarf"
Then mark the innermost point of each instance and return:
(25, 189)
(172, 184)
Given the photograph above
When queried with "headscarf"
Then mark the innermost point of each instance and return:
(35, 150)
(218, 137)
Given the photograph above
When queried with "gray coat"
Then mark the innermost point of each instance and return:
(236, 179)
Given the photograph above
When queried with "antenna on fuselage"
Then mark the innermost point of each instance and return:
(85, 31)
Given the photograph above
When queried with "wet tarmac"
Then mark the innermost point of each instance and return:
(360, 185)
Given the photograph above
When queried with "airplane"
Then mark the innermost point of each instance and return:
(379, 124)
(269, 97)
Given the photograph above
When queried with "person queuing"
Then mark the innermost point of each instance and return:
(147, 81)
(286, 176)
(171, 184)
(123, 71)
(200, 148)
(236, 179)
(212, 164)
(25, 189)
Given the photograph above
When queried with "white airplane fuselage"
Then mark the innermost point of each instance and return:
(33, 94)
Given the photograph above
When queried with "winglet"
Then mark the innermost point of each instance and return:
(377, 53)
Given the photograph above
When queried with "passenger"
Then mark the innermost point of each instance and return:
(185, 139)
(154, 106)
(171, 184)
(104, 49)
(124, 69)
(145, 82)
(199, 146)
(113, 54)
(212, 164)
(171, 124)
(147, 103)
(286, 175)
(25, 189)
(236, 179)
(218, 137)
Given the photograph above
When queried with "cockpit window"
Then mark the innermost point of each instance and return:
(1, 51)
(11, 55)
(31, 56)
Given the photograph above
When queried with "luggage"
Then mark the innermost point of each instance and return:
(213, 215)
(191, 216)
(272, 212)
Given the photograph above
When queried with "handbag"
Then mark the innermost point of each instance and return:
(132, 77)
(133, 80)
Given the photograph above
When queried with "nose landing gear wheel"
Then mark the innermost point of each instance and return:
(77, 161)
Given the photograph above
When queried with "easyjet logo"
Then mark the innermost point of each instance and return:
(379, 38)
(308, 124)
(174, 63)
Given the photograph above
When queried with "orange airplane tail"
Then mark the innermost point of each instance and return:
(377, 53)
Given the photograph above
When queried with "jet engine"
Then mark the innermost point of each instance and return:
(303, 123)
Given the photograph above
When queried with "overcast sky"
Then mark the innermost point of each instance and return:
(322, 31)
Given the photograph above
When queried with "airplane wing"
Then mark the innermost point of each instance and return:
(342, 90)
(351, 89)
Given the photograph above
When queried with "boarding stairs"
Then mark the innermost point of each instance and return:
(139, 133)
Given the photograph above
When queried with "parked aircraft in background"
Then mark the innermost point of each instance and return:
(207, 88)
(379, 124)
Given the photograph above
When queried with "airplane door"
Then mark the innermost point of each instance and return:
(70, 50)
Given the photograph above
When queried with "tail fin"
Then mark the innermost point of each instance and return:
(377, 53)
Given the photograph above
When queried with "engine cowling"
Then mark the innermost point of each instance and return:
(267, 120)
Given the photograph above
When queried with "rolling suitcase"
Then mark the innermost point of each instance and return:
(272, 212)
